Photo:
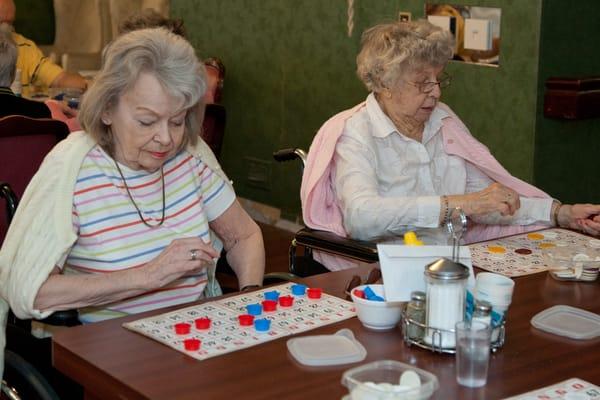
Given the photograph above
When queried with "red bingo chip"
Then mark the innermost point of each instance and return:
(269, 305)
(246, 320)
(192, 344)
(314, 293)
(202, 323)
(182, 328)
(286, 301)
(359, 293)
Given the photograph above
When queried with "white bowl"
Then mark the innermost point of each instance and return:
(366, 382)
(377, 315)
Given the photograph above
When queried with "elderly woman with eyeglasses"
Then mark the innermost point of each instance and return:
(403, 161)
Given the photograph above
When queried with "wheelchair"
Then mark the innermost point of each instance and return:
(28, 371)
(304, 264)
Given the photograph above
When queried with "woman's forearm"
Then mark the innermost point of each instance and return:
(64, 292)
(247, 259)
(243, 243)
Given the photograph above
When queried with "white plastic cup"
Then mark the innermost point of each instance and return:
(497, 290)
(472, 353)
(494, 288)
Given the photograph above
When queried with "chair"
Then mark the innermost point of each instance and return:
(213, 127)
(328, 242)
(215, 74)
(27, 358)
(24, 142)
(10, 199)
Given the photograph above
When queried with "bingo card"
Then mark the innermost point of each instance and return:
(522, 254)
(233, 323)
(571, 389)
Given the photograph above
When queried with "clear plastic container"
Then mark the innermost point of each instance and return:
(568, 321)
(572, 263)
(380, 380)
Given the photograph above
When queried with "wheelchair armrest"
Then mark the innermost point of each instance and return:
(11, 199)
(63, 318)
(331, 243)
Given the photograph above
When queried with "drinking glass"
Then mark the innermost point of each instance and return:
(72, 97)
(472, 353)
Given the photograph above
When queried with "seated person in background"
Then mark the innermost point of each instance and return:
(402, 160)
(130, 214)
(10, 104)
(150, 18)
(36, 69)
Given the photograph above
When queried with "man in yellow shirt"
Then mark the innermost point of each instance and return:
(36, 69)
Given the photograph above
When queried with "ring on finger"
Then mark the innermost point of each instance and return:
(193, 254)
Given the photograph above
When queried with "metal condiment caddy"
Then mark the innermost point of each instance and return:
(436, 334)
(451, 272)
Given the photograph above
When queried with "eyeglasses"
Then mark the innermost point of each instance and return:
(373, 277)
(427, 87)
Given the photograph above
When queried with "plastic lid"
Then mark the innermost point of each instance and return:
(339, 348)
(446, 270)
(568, 321)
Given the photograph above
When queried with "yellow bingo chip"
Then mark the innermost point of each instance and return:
(546, 245)
(496, 249)
(535, 236)
(411, 239)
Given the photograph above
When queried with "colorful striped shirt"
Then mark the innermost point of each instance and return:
(112, 237)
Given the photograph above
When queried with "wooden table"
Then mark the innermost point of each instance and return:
(114, 363)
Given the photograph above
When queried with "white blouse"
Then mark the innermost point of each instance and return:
(388, 183)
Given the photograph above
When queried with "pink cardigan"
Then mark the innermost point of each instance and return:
(319, 204)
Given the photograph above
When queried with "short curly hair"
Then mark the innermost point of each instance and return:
(150, 18)
(390, 50)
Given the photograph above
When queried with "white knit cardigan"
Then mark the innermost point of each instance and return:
(41, 232)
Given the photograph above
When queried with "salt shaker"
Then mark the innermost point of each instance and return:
(415, 312)
(483, 312)
(446, 289)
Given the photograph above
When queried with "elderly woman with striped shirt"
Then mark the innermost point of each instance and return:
(132, 213)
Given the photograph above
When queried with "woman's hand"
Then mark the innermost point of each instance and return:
(582, 217)
(67, 291)
(181, 257)
(495, 198)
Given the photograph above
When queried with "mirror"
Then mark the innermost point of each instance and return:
(476, 30)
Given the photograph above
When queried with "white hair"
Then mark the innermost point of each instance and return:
(392, 49)
(168, 57)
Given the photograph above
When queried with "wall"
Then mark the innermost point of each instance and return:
(566, 158)
(35, 20)
(290, 66)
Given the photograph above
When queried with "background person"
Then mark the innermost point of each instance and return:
(11, 104)
(402, 160)
(36, 69)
